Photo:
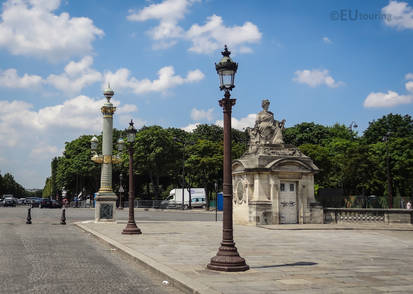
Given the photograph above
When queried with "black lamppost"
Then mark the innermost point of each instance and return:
(131, 227)
(227, 258)
(389, 188)
(216, 201)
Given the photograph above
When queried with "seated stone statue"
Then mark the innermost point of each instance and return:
(266, 129)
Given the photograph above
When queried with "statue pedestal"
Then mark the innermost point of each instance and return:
(274, 184)
(105, 210)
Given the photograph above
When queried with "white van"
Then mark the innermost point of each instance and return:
(174, 199)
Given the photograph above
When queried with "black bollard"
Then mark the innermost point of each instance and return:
(29, 216)
(63, 219)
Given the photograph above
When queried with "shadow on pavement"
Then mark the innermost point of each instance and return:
(299, 263)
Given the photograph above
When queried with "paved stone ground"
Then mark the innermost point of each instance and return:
(283, 259)
(46, 257)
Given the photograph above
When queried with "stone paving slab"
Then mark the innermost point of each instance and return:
(311, 259)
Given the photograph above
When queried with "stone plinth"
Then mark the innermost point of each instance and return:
(274, 184)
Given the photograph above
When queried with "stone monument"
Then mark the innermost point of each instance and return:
(273, 181)
(105, 208)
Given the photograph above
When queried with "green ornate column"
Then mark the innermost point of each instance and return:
(106, 199)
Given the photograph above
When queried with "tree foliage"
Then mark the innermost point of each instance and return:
(357, 165)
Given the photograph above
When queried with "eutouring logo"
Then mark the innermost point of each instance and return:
(356, 15)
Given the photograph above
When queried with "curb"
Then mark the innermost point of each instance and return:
(178, 280)
(405, 228)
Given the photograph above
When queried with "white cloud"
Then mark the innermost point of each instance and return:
(30, 28)
(391, 98)
(205, 38)
(201, 114)
(30, 138)
(315, 78)
(214, 35)
(398, 15)
(388, 99)
(327, 40)
(409, 86)
(190, 127)
(44, 151)
(167, 79)
(409, 76)
(10, 79)
(168, 13)
(76, 76)
(127, 108)
(240, 124)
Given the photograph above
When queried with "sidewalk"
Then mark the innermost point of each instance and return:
(283, 259)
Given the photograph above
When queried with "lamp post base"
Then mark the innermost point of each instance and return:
(228, 260)
(131, 229)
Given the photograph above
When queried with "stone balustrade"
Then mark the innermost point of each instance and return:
(368, 216)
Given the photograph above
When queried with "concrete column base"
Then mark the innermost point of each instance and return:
(105, 210)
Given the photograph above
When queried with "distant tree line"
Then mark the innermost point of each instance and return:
(355, 164)
(8, 185)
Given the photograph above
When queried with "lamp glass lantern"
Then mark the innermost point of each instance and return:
(121, 145)
(94, 143)
(226, 69)
(131, 132)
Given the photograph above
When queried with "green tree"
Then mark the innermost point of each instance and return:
(156, 154)
(399, 127)
(47, 190)
(205, 163)
(75, 169)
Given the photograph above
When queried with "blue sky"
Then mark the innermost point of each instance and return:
(321, 61)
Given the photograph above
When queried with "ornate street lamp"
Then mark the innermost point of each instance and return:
(352, 125)
(131, 228)
(227, 258)
(106, 198)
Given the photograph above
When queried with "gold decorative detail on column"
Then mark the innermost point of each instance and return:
(107, 158)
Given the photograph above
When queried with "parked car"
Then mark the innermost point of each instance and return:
(45, 203)
(56, 204)
(33, 201)
(10, 202)
(21, 201)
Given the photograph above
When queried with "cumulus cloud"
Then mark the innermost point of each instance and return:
(205, 38)
(327, 40)
(315, 78)
(388, 99)
(80, 112)
(168, 13)
(166, 80)
(44, 151)
(76, 76)
(240, 124)
(190, 127)
(10, 79)
(391, 98)
(30, 28)
(400, 15)
(200, 114)
(409, 76)
(214, 35)
(32, 137)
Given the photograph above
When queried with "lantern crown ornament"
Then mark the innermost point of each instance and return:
(108, 92)
(131, 132)
(226, 69)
